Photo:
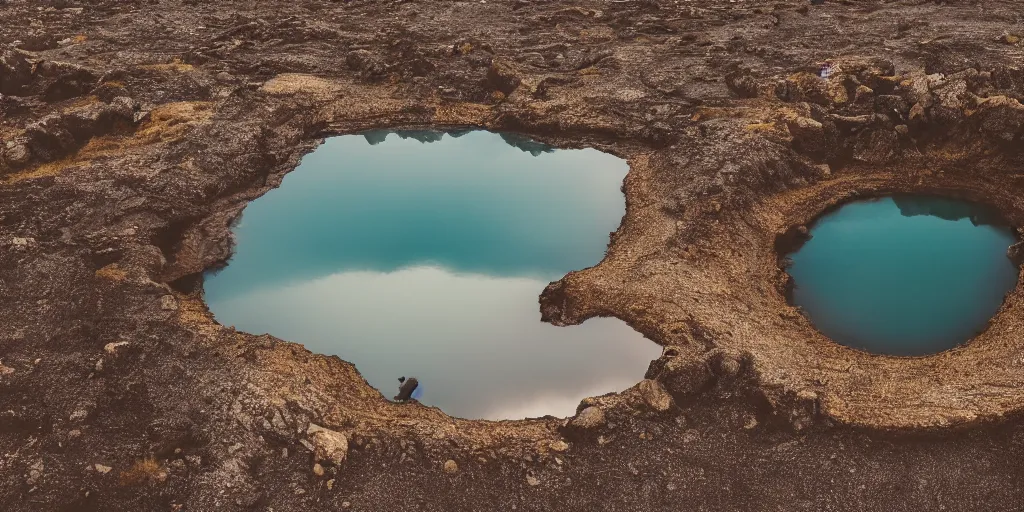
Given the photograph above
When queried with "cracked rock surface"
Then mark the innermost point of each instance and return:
(133, 133)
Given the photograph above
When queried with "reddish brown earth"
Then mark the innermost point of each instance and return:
(134, 132)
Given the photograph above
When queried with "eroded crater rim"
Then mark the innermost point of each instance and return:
(443, 269)
(861, 305)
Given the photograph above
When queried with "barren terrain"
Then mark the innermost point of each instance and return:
(134, 132)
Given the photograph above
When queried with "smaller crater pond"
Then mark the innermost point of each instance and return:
(904, 275)
(423, 254)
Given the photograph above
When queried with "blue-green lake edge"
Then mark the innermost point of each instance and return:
(423, 254)
(903, 274)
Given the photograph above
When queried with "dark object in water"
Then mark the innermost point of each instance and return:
(406, 388)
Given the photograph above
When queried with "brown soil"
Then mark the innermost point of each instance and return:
(134, 132)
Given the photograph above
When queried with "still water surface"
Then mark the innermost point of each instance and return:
(423, 254)
(904, 275)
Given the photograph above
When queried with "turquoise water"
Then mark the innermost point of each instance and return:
(423, 254)
(904, 275)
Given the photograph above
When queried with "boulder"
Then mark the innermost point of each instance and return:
(951, 93)
(654, 395)
(168, 303)
(503, 76)
(727, 364)
(813, 89)
(35, 472)
(50, 138)
(114, 347)
(682, 375)
(591, 418)
(66, 80)
(328, 445)
(742, 83)
(1001, 117)
(100, 118)
(808, 135)
(57, 135)
(864, 95)
(15, 73)
(558, 446)
(891, 104)
(865, 68)
(917, 115)
(18, 154)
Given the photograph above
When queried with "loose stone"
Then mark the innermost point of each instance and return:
(655, 396)
(35, 472)
(168, 303)
(559, 446)
(588, 419)
(683, 376)
(112, 348)
(328, 445)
